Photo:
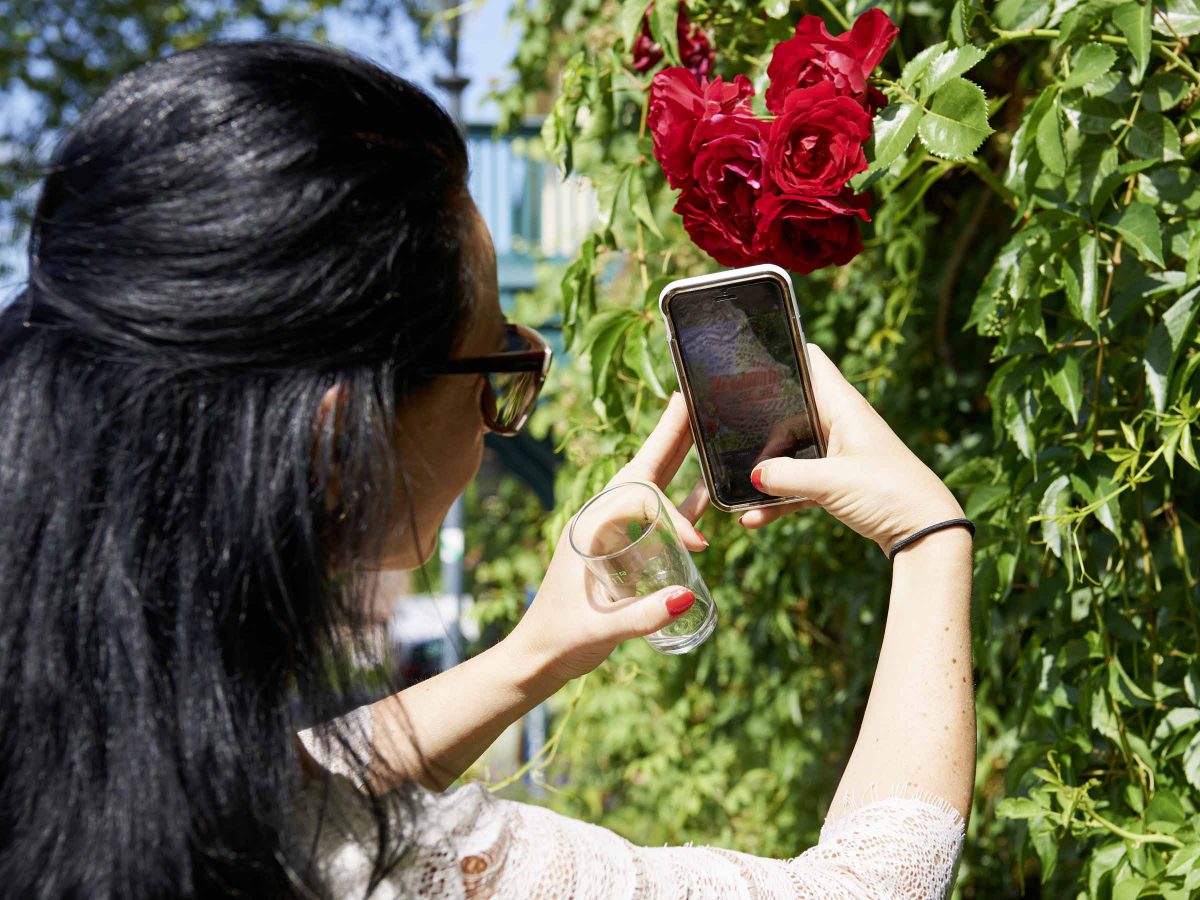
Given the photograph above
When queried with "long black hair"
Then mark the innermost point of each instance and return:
(223, 236)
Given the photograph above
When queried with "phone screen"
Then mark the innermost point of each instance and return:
(735, 344)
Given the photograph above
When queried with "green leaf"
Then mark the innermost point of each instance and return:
(1090, 62)
(1054, 503)
(1095, 488)
(639, 200)
(777, 9)
(1067, 384)
(1019, 15)
(630, 18)
(1128, 887)
(1020, 808)
(957, 27)
(1101, 862)
(1181, 718)
(1163, 347)
(894, 130)
(1184, 860)
(1098, 115)
(1171, 189)
(911, 74)
(1191, 762)
(604, 333)
(1081, 279)
(1050, 141)
(664, 28)
(1153, 137)
(957, 121)
(950, 64)
(1164, 91)
(1140, 227)
(1133, 19)
(1178, 17)
(1044, 838)
(637, 357)
(1024, 140)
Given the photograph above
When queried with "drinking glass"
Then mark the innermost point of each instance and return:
(626, 538)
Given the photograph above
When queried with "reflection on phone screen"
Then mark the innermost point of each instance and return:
(736, 347)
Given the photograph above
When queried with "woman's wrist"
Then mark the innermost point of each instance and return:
(532, 665)
(948, 546)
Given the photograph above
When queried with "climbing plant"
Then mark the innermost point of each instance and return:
(1023, 313)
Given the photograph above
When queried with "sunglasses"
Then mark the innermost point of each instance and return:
(515, 377)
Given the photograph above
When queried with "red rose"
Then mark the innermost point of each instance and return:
(678, 101)
(694, 48)
(712, 234)
(816, 144)
(718, 206)
(807, 233)
(814, 55)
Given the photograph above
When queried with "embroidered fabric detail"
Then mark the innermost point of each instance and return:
(336, 744)
(468, 844)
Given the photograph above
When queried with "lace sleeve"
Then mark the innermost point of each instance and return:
(468, 844)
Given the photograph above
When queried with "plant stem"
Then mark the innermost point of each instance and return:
(837, 14)
(1049, 34)
(988, 177)
(1098, 820)
(641, 235)
(1165, 49)
(1168, 54)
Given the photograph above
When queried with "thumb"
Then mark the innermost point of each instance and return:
(812, 479)
(639, 616)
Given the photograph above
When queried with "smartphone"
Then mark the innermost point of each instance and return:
(742, 364)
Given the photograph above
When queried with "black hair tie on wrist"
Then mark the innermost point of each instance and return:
(916, 536)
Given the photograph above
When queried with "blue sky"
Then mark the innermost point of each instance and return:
(488, 44)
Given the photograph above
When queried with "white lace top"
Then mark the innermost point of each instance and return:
(469, 844)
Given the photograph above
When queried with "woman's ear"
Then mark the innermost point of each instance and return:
(326, 458)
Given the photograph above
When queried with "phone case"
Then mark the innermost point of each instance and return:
(733, 277)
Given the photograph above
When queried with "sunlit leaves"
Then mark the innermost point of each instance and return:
(1067, 384)
(949, 64)
(1081, 279)
(1133, 19)
(948, 112)
(1153, 136)
(1073, 444)
(1178, 17)
(957, 121)
(1165, 341)
(1140, 227)
(1053, 504)
(1089, 63)
(895, 127)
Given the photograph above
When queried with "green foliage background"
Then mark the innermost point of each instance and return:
(1024, 316)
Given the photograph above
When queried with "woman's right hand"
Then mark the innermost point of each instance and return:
(869, 479)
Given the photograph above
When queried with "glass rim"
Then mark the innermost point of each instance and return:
(616, 487)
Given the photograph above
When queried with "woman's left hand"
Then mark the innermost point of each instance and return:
(572, 625)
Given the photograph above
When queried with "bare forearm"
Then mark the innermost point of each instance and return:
(918, 732)
(433, 731)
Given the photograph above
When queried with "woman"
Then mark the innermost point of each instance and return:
(257, 354)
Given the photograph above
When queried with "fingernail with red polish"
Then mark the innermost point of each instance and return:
(703, 539)
(681, 602)
(756, 479)
(741, 520)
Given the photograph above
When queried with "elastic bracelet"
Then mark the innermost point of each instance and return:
(916, 536)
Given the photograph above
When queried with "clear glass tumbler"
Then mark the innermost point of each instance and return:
(626, 538)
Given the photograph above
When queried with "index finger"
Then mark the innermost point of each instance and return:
(666, 448)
